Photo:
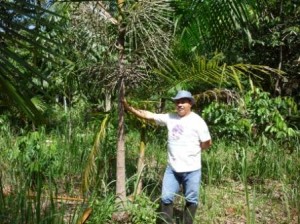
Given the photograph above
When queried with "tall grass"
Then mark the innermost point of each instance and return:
(41, 173)
(264, 173)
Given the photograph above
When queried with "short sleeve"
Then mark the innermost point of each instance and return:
(161, 119)
(203, 131)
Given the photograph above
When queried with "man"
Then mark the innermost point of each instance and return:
(188, 134)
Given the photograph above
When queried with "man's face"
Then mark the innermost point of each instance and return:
(183, 106)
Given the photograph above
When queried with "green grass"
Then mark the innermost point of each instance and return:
(226, 203)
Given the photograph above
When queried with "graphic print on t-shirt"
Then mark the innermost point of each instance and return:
(177, 131)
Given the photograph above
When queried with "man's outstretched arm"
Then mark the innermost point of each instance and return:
(144, 114)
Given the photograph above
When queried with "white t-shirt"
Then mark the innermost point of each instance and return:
(184, 137)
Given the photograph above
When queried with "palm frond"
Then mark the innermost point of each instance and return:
(21, 35)
(203, 73)
(90, 169)
(213, 25)
(217, 94)
(149, 30)
(22, 102)
(228, 75)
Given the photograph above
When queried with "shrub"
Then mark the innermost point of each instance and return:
(256, 114)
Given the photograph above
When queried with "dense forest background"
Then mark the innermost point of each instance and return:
(69, 153)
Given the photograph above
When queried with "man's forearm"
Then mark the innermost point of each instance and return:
(144, 114)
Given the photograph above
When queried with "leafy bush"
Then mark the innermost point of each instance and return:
(256, 114)
(143, 210)
(102, 209)
(36, 155)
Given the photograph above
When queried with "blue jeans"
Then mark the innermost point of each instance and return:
(171, 184)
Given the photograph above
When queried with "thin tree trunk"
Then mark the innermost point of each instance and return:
(121, 180)
(277, 86)
(141, 162)
(107, 101)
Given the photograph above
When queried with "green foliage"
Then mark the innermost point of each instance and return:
(206, 26)
(224, 120)
(257, 163)
(36, 155)
(102, 209)
(56, 158)
(268, 115)
(143, 210)
(25, 46)
(256, 115)
(252, 172)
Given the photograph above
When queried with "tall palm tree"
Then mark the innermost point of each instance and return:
(143, 32)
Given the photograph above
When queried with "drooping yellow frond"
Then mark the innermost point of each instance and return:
(90, 169)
